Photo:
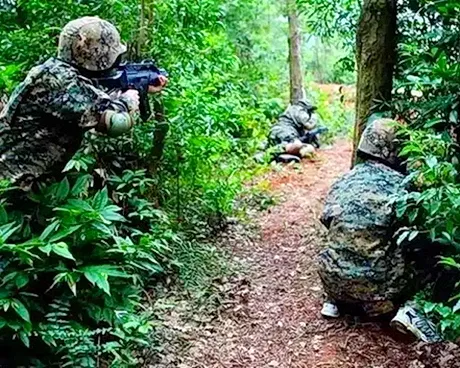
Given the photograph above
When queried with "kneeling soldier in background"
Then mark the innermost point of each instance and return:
(292, 127)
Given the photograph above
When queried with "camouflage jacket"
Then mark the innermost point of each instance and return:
(361, 262)
(43, 123)
(292, 125)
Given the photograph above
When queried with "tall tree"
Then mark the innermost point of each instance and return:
(295, 53)
(376, 59)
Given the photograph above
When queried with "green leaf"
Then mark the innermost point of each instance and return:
(7, 230)
(102, 228)
(49, 229)
(20, 309)
(70, 165)
(108, 270)
(3, 215)
(62, 249)
(413, 235)
(100, 200)
(98, 279)
(429, 307)
(58, 279)
(78, 205)
(431, 161)
(72, 287)
(7, 278)
(402, 237)
(401, 209)
(21, 280)
(65, 233)
(46, 249)
(433, 122)
(63, 189)
(81, 185)
(24, 338)
(111, 215)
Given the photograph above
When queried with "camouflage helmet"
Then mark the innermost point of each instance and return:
(378, 141)
(307, 105)
(90, 43)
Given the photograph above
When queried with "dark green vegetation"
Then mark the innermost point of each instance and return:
(428, 99)
(81, 256)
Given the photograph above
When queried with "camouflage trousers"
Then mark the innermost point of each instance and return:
(372, 291)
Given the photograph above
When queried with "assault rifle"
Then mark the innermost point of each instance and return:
(138, 76)
(312, 137)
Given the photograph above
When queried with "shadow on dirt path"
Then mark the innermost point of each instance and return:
(271, 317)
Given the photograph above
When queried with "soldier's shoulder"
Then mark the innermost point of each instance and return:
(54, 69)
(377, 169)
(368, 177)
(290, 110)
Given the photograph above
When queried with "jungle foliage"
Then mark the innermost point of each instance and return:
(80, 257)
(427, 98)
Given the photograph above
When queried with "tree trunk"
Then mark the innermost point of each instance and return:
(376, 59)
(295, 53)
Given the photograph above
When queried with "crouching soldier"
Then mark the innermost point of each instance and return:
(43, 123)
(292, 126)
(362, 269)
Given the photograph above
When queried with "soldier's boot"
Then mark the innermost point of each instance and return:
(330, 310)
(285, 158)
(409, 322)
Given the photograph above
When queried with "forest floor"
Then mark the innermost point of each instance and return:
(269, 316)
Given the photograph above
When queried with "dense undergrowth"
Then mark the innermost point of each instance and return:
(427, 98)
(80, 255)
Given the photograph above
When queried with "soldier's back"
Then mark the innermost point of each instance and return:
(361, 198)
(37, 131)
(360, 260)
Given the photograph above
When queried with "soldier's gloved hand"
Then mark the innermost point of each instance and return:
(294, 147)
(163, 82)
(131, 97)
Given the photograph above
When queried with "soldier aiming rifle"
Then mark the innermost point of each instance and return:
(43, 123)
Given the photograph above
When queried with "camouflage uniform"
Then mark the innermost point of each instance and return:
(293, 123)
(42, 125)
(361, 264)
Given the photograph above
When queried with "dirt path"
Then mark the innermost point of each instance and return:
(271, 316)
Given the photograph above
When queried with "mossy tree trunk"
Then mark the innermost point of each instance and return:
(376, 59)
(295, 53)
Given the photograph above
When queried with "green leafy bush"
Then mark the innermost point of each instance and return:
(431, 211)
(76, 266)
(427, 97)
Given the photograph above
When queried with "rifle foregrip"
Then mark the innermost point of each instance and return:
(144, 107)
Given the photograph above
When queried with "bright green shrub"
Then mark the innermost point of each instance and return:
(427, 97)
(74, 269)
